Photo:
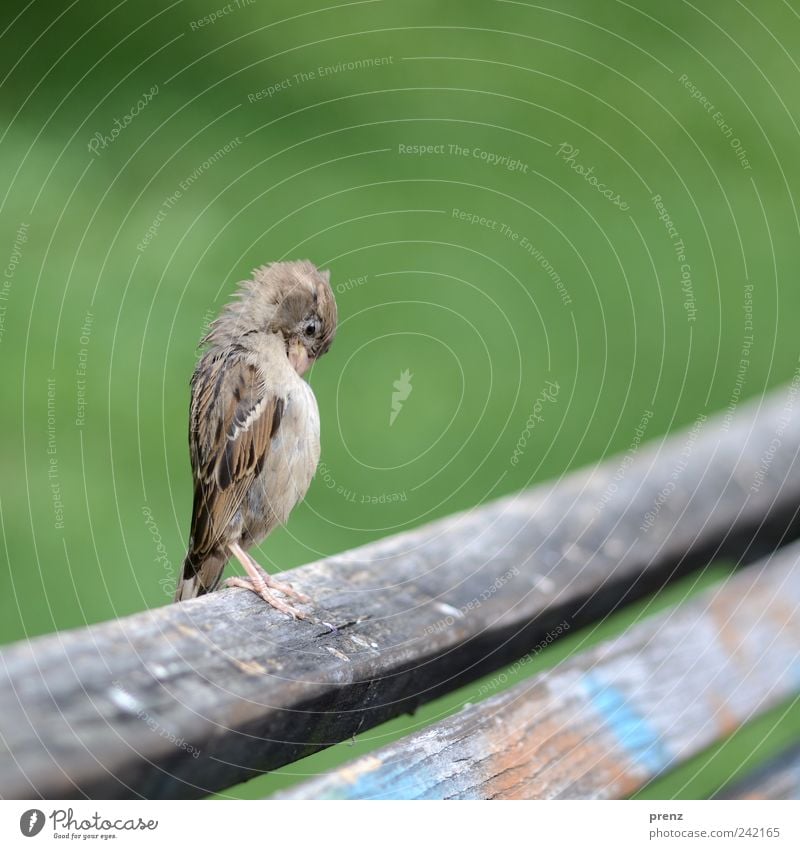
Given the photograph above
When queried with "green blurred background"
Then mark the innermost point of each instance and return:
(99, 321)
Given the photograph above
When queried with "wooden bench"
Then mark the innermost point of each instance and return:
(190, 699)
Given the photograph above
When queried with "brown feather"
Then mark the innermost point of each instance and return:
(241, 391)
(234, 418)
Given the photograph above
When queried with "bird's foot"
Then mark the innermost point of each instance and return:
(261, 582)
(282, 587)
(260, 588)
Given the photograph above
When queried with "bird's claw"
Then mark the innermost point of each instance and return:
(263, 592)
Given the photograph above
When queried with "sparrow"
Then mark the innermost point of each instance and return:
(254, 425)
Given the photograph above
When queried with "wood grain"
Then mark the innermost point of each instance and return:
(607, 721)
(192, 698)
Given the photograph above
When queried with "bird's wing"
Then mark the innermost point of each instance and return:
(234, 417)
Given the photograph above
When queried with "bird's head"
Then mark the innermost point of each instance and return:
(293, 299)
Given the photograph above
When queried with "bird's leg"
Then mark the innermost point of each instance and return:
(256, 585)
(259, 582)
(275, 584)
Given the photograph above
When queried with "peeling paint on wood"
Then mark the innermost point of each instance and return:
(189, 667)
(609, 720)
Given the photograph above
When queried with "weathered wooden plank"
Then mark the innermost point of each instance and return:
(779, 778)
(607, 721)
(113, 709)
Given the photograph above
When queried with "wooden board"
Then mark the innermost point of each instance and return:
(779, 778)
(192, 698)
(607, 721)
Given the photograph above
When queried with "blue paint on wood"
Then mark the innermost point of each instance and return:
(635, 734)
(390, 780)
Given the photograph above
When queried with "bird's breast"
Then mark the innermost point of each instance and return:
(293, 455)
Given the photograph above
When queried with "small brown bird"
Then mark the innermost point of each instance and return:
(254, 425)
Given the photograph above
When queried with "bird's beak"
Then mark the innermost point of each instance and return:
(298, 356)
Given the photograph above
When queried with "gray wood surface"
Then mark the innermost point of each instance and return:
(607, 721)
(192, 698)
(778, 778)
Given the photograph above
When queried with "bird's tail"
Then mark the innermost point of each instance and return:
(199, 578)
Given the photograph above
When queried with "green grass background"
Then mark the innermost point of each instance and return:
(317, 172)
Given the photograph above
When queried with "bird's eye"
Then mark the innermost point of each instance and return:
(310, 328)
